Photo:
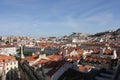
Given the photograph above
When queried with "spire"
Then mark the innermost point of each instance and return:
(22, 55)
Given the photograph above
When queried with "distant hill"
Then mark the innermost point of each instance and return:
(118, 31)
(109, 32)
(78, 35)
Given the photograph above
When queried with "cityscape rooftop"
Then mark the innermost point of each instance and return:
(59, 40)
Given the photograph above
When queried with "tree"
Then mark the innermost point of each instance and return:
(26, 53)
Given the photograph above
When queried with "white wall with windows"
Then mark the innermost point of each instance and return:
(8, 51)
(10, 65)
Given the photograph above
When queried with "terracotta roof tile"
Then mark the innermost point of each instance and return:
(88, 55)
(52, 64)
(30, 58)
(42, 61)
(70, 49)
(6, 46)
(72, 58)
(35, 55)
(79, 51)
(55, 57)
(82, 68)
(96, 51)
(108, 52)
(98, 59)
(55, 66)
(7, 58)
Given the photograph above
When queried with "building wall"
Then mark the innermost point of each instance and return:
(28, 49)
(7, 51)
(64, 68)
(11, 65)
(73, 53)
(103, 56)
(1, 67)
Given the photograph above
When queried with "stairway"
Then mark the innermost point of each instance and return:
(109, 74)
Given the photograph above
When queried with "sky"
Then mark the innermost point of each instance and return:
(42, 18)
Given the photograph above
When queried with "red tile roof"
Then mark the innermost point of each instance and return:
(88, 55)
(108, 52)
(55, 67)
(72, 58)
(42, 61)
(96, 51)
(55, 57)
(6, 58)
(97, 59)
(70, 49)
(35, 55)
(79, 51)
(6, 46)
(82, 68)
(46, 44)
(30, 58)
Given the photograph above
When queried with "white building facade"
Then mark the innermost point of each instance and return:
(8, 50)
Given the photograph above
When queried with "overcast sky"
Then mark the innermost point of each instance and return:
(58, 17)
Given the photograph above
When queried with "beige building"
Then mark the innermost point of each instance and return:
(6, 64)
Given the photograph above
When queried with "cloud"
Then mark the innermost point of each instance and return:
(101, 19)
(57, 17)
